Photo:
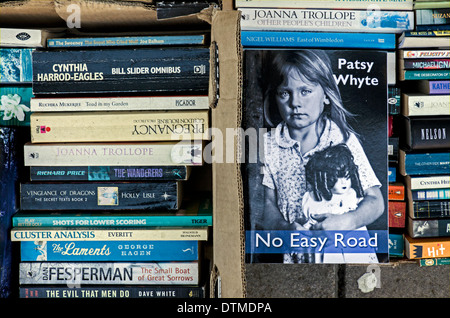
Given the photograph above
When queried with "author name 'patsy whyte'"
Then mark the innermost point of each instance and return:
(316, 241)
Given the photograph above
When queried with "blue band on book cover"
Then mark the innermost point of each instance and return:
(320, 152)
(109, 251)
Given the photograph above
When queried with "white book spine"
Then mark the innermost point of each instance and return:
(426, 105)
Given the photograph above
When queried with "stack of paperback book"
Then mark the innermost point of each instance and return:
(117, 130)
(358, 39)
(424, 68)
(16, 47)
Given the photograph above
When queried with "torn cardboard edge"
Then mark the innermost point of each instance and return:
(99, 15)
(228, 276)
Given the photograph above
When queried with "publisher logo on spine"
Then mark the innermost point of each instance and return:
(42, 129)
(199, 69)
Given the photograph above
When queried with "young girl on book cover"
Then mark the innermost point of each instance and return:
(334, 187)
(303, 103)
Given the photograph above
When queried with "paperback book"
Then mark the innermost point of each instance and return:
(428, 247)
(433, 87)
(433, 209)
(423, 163)
(100, 195)
(326, 20)
(333, 4)
(422, 104)
(287, 229)
(16, 65)
(112, 273)
(118, 103)
(109, 251)
(30, 38)
(111, 292)
(426, 132)
(424, 39)
(119, 126)
(436, 227)
(15, 105)
(146, 70)
(159, 153)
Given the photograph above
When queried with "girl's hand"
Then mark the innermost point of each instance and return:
(333, 222)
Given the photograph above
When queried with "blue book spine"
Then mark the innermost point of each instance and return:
(16, 65)
(126, 41)
(109, 251)
(142, 70)
(427, 163)
(287, 39)
(430, 194)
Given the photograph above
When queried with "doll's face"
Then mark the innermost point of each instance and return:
(342, 185)
(299, 101)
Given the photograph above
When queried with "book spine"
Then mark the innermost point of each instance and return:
(331, 4)
(154, 70)
(125, 103)
(397, 213)
(100, 196)
(432, 194)
(16, 65)
(428, 227)
(434, 261)
(396, 192)
(429, 182)
(432, 16)
(19, 234)
(427, 133)
(109, 173)
(287, 39)
(430, 209)
(424, 163)
(432, 27)
(432, 33)
(15, 105)
(114, 154)
(428, 64)
(326, 20)
(118, 126)
(426, 105)
(27, 38)
(156, 40)
(107, 251)
(424, 74)
(439, 87)
(117, 273)
(427, 248)
(110, 292)
(424, 54)
(396, 245)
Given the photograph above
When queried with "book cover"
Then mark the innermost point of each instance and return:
(112, 273)
(16, 65)
(111, 292)
(396, 245)
(109, 251)
(15, 105)
(29, 38)
(433, 87)
(428, 227)
(281, 230)
(159, 153)
(154, 195)
(144, 70)
(434, 261)
(422, 104)
(118, 103)
(109, 173)
(11, 172)
(396, 191)
(193, 212)
(31, 234)
(426, 132)
(432, 16)
(430, 194)
(119, 126)
(428, 247)
(298, 39)
(422, 209)
(120, 41)
(424, 53)
(327, 20)
(340, 4)
(423, 163)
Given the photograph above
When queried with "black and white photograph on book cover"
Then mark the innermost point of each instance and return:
(315, 145)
